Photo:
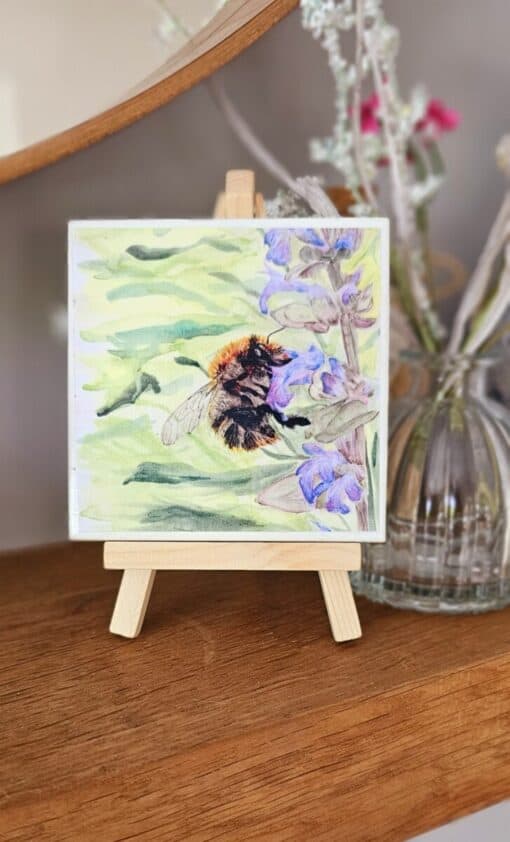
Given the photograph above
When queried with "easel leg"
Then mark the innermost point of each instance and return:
(340, 605)
(132, 600)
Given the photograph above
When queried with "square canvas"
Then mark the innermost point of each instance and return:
(228, 379)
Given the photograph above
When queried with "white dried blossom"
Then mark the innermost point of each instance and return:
(418, 102)
(388, 42)
(423, 191)
(385, 134)
(286, 205)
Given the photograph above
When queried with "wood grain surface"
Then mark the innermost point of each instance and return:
(231, 555)
(237, 25)
(234, 716)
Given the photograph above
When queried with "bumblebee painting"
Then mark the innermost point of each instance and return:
(228, 380)
(235, 398)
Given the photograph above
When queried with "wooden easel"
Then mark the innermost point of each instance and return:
(141, 559)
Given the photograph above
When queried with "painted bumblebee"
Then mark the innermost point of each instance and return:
(235, 398)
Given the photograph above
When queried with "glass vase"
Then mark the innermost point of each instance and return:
(448, 522)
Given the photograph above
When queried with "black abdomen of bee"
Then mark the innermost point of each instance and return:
(248, 427)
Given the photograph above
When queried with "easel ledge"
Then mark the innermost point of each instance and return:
(231, 555)
(141, 559)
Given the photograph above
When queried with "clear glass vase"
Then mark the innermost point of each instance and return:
(448, 527)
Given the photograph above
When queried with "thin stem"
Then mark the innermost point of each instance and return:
(351, 353)
(350, 343)
(404, 215)
(477, 286)
(494, 311)
(307, 188)
(368, 192)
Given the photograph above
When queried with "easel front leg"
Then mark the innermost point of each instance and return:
(132, 600)
(340, 605)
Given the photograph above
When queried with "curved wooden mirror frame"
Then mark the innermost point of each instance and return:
(237, 25)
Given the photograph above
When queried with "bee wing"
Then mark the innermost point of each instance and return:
(187, 416)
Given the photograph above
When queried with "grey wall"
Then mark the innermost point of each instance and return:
(172, 164)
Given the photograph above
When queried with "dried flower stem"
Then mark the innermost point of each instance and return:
(307, 188)
(368, 191)
(495, 310)
(403, 211)
(476, 288)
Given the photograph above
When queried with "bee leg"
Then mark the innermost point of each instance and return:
(296, 421)
(292, 421)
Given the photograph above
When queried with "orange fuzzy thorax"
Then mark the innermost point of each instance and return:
(231, 351)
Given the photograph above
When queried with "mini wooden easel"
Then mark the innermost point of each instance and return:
(141, 559)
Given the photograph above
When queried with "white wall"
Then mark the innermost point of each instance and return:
(172, 163)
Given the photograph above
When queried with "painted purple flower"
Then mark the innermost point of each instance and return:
(356, 301)
(280, 283)
(313, 238)
(331, 242)
(334, 381)
(349, 289)
(278, 240)
(298, 372)
(340, 383)
(328, 472)
(341, 493)
(277, 283)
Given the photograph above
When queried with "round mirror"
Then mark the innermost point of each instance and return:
(74, 71)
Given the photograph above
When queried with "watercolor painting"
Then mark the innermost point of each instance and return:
(228, 380)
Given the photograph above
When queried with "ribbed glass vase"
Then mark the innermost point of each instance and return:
(448, 527)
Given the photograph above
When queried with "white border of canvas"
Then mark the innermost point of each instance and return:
(375, 536)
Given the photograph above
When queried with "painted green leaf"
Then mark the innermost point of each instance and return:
(153, 336)
(221, 245)
(285, 494)
(338, 419)
(139, 289)
(187, 519)
(142, 382)
(187, 361)
(178, 473)
(100, 269)
(228, 277)
(248, 288)
(299, 316)
(375, 449)
(146, 253)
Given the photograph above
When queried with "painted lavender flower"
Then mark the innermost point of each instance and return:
(340, 383)
(326, 246)
(298, 372)
(320, 306)
(279, 283)
(278, 240)
(329, 480)
(316, 294)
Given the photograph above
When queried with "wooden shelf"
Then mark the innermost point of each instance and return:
(234, 716)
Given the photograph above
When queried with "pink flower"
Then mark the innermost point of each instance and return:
(437, 120)
(369, 117)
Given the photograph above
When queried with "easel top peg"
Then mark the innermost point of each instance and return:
(239, 200)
